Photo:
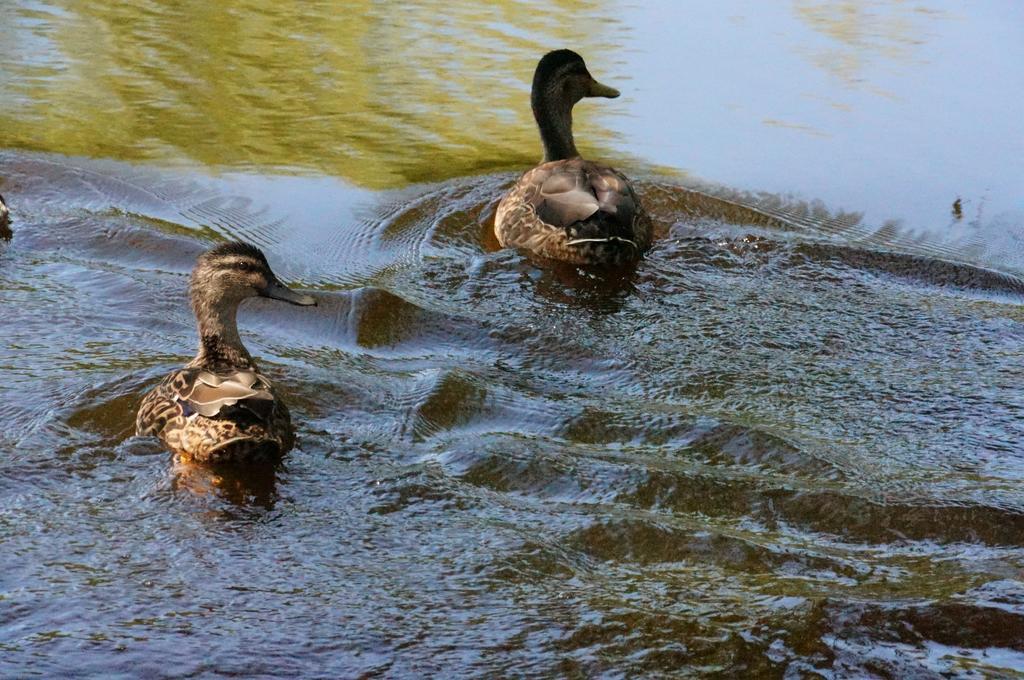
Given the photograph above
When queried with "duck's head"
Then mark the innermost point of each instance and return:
(562, 76)
(561, 80)
(231, 272)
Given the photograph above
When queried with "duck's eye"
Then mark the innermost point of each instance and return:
(247, 267)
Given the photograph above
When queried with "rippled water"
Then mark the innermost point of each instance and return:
(787, 443)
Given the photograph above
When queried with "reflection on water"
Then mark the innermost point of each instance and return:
(377, 93)
(864, 31)
(787, 443)
(252, 485)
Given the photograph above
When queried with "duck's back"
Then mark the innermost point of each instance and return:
(574, 210)
(217, 415)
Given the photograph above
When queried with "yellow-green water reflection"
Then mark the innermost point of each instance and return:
(379, 93)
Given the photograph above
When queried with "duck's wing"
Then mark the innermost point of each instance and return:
(575, 191)
(192, 391)
(211, 392)
(574, 210)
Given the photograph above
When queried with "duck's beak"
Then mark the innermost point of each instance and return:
(599, 90)
(279, 291)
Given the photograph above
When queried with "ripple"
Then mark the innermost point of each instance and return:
(784, 442)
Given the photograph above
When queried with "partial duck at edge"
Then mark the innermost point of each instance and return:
(5, 219)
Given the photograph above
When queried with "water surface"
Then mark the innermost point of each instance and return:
(787, 444)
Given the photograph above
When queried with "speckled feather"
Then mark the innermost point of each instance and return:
(256, 426)
(555, 208)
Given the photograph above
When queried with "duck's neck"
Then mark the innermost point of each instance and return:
(554, 118)
(219, 342)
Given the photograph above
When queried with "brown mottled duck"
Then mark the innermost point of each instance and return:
(568, 208)
(219, 408)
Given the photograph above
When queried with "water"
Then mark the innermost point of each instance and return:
(787, 444)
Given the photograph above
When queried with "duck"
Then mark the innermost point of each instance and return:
(5, 220)
(220, 408)
(568, 208)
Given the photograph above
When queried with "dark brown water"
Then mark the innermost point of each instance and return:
(787, 444)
